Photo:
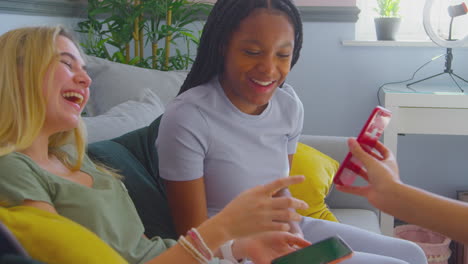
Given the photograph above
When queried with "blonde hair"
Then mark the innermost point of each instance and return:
(27, 53)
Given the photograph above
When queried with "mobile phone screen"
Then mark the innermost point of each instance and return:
(368, 137)
(330, 250)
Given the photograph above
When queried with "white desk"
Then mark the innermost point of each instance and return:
(430, 110)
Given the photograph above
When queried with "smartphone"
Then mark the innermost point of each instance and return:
(331, 250)
(367, 138)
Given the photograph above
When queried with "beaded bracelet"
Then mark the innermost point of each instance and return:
(200, 243)
(192, 250)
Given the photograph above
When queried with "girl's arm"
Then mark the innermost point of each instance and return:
(187, 201)
(254, 211)
(213, 233)
(386, 192)
(426, 209)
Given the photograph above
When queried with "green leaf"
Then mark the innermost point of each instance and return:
(388, 8)
(97, 11)
(134, 61)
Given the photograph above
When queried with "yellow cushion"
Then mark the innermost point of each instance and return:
(51, 238)
(318, 170)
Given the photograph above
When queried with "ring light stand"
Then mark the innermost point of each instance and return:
(454, 11)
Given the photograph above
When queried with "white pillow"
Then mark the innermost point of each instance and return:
(114, 83)
(125, 117)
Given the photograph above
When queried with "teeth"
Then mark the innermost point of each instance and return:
(262, 83)
(75, 95)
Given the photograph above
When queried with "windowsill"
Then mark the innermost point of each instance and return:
(396, 43)
(381, 43)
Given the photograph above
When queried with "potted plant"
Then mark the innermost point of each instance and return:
(121, 31)
(388, 22)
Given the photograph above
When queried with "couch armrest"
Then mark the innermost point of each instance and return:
(337, 148)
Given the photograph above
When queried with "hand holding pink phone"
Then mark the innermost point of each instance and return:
(368, 137)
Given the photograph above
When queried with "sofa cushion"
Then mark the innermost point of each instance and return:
(115, 83)
(360, 218)
(134, 156)
(125, 117)
(318, 170)
(16, 259)
(51, 238)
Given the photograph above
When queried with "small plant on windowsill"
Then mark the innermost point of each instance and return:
(388, 22)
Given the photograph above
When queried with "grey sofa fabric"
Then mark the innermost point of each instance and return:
(361, 218)
(349, 209)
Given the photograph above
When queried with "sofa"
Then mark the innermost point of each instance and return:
(122, 117)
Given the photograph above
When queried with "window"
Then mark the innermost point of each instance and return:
(411, 27)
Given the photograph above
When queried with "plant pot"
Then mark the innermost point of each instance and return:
(386, 27)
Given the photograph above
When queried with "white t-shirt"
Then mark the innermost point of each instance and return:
(202, 134)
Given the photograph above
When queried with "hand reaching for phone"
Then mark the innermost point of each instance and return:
(381, 172)
(265, 247)
(257, 210)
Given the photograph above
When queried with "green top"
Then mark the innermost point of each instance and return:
(105, 208)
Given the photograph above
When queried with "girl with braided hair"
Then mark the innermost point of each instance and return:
(236, 123)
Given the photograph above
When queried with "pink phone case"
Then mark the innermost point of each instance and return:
(370, 133)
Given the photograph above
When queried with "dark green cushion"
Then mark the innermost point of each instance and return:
(15, 259)
(135, 157)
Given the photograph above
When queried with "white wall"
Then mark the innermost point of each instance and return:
(12, 21)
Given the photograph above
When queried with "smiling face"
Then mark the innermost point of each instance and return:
(257, 59)
(66, 88)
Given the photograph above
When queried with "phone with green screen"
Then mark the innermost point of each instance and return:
(331, 250)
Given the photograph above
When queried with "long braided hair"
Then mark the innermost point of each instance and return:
(223, 20)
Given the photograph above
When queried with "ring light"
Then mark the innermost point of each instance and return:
(436, 38)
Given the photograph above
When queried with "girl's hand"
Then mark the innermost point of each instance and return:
(380, 170)
(256, 210)
(265, 247)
